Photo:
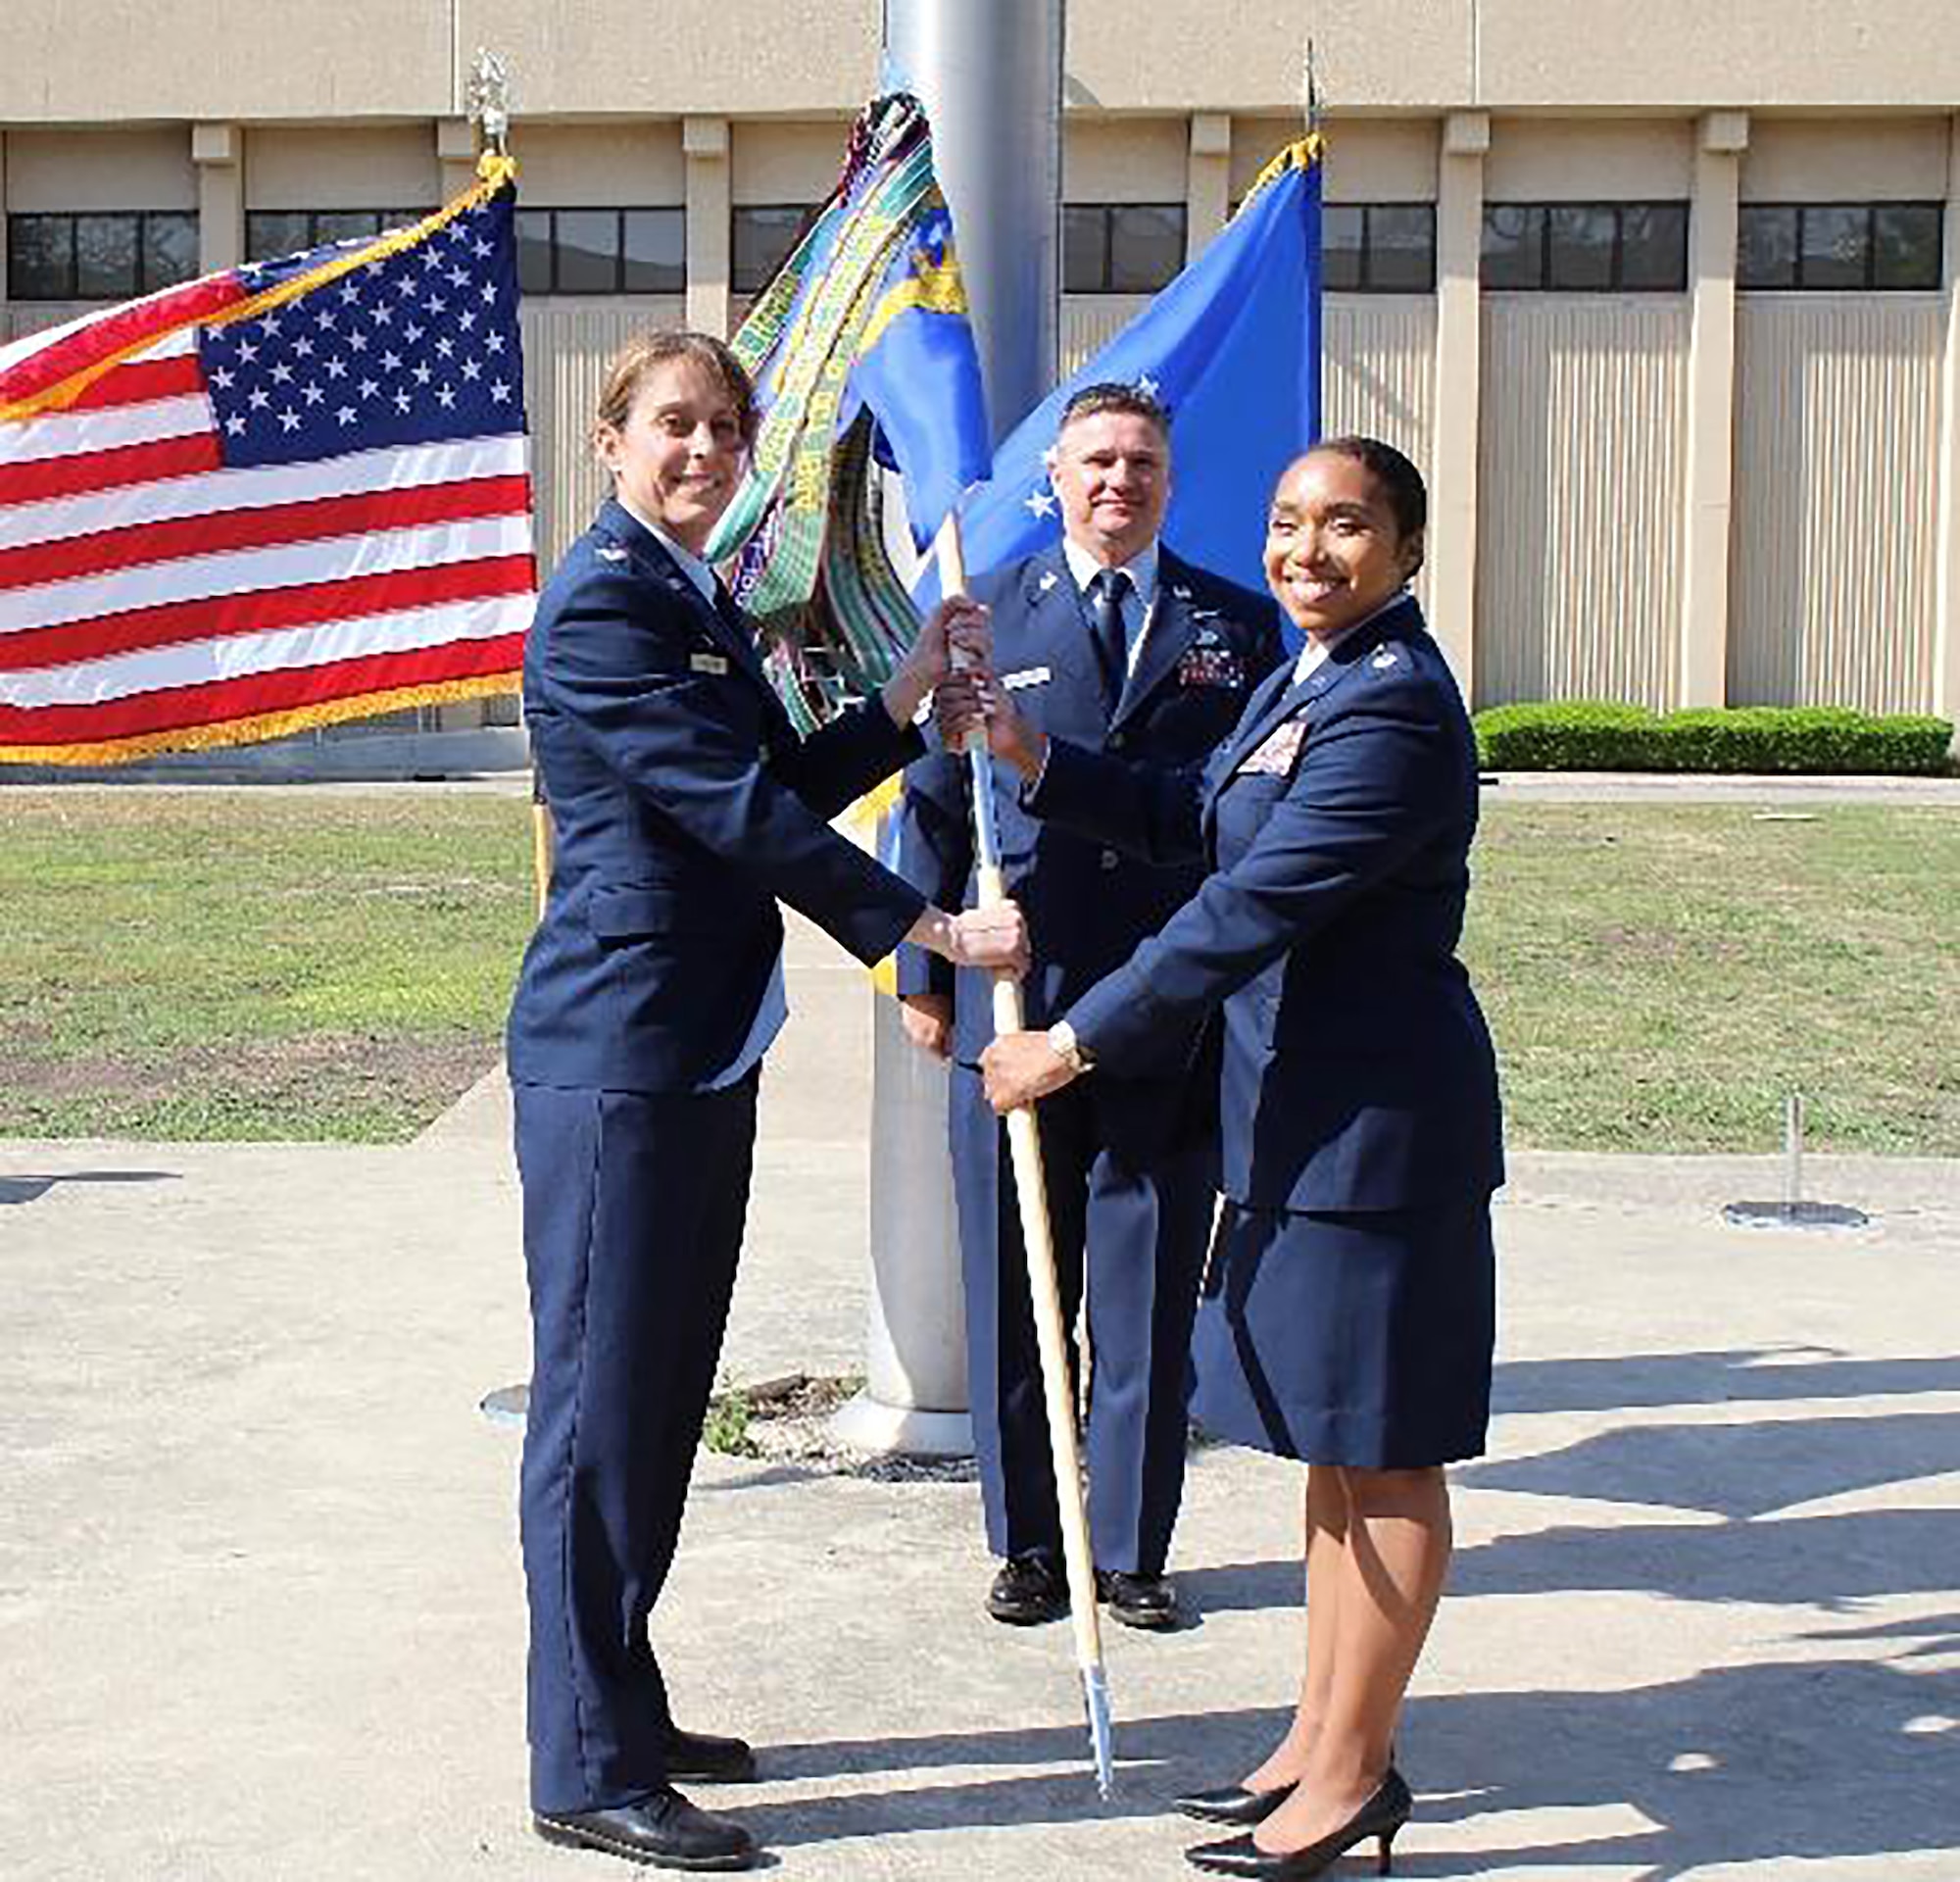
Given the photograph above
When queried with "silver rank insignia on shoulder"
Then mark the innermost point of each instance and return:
(612, 555)
(1048, 580)
(1383, 661)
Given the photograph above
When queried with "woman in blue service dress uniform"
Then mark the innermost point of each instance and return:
(684, 806)
(1347, 1315)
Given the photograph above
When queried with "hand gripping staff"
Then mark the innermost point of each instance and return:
(1024, 1146)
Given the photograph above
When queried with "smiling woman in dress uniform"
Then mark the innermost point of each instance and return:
(684, 806)
(1348, 1315)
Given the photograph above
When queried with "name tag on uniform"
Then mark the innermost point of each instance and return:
(1027, 676)
(1212, 666)
(708, 662)
(1277, 753)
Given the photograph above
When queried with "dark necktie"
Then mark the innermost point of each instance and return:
(1106, 626)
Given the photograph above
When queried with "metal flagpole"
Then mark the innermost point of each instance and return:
(990, 77)
(1037, 1242)
(487, 102)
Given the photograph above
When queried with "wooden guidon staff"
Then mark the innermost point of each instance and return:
(1024, 1146)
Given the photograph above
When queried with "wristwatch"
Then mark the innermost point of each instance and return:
(1063, 1042)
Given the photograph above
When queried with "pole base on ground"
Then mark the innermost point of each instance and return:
(1794, 1216)
(879, 1429)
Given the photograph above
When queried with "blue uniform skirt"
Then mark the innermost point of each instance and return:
(1361, 1338)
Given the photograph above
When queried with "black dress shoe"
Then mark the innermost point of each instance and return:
(714, 1760)
(1029, 1589)
(1148, 1602)
(1234, 1805)
(1380, 1817)
(663, 1830)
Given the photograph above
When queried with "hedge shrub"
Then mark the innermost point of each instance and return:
(1594, 736)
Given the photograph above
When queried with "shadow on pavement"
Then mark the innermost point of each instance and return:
(30, 1189)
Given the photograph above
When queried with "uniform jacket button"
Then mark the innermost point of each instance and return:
(1110, 858)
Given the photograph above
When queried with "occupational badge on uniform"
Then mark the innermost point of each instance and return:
(1383, 661)
(1048, 580)
(611, 555)
(708, 662)
(1277, 753)
(1205, 636)
(1027, 676)
(1210, 666)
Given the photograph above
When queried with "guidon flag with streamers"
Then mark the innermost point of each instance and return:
(290, 493)
(863, 353)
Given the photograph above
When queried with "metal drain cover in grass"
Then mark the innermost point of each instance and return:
(1794, 1216)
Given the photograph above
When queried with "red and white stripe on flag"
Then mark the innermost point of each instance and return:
(288, 494)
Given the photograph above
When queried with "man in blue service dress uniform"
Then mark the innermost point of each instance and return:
(1112, 641)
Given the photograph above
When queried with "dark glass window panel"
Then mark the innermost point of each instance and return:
(1146, 246)
(104, 256)
(763, 240)
(534, 251)
(1905, 245)
(1766, 246)
(588, 251)
(1836, 242)
(1085, 249)
(1653, 247)
(40, 258)
(345, 226)
(273, 232)
(170, 250)
(1513, 245)
(401, 218)
(656, 251)
(1581, 248)
(1342, 242)
(1401, 248)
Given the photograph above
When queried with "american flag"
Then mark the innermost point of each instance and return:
(290, 493)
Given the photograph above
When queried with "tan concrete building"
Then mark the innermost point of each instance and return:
(1661, 295)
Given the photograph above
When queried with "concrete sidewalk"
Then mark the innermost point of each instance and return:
(260, 1616)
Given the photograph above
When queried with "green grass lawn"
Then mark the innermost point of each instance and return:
(1660, 978)
(335, 964)
(214, 963)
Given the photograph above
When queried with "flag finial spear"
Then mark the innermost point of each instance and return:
(487, 98)
(1310, 88)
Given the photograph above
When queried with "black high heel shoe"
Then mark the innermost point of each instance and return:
(1234, 1805)
(1380, 1817)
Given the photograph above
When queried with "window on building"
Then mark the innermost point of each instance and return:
(1843, 246)
(273, 232)
(601, 251)
(1121, 248)
(108, 256)
(761, 238)
(1587, 248)
(1378, 248)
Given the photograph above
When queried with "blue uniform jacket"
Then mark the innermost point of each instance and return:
(1210, 644)
(1337, 820)
(684, 806)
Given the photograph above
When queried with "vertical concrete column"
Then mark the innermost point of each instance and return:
(1453, 469)
(3, 224)
(217, 151)
(704, 143)
(1208, 180)
(454, 154)
(1702, 677)
(1946, 622)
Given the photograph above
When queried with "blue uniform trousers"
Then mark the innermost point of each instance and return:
(1129, 1196)
(633, 1211)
